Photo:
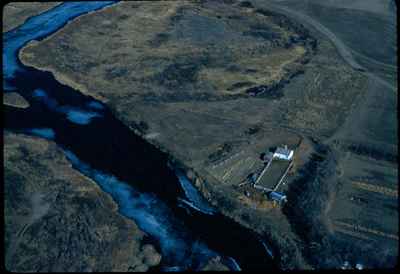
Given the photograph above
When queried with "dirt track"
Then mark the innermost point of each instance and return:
(342, 49)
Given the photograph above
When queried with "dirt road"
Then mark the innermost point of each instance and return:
(342, 49)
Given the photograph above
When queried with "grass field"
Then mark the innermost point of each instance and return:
(355, 21)
(368, 197)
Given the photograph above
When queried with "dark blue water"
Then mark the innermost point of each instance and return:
(184, 227)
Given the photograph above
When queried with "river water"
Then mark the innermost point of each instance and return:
(178, 220)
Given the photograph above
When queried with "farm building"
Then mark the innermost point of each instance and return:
(283, 153)
(277, 196)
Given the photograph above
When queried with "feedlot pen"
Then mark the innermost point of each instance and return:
(274, 175)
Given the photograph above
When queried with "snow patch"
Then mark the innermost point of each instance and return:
(80, 117)
(47, 133)
(232, 264)
(269, 251)
(95, 105)
(74, 114)
(198, 202)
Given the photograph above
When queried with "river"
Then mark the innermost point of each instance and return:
(182, 225)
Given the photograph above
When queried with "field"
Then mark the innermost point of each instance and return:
(367, 19)
(364, 210)
(147, 49)
(366, 203)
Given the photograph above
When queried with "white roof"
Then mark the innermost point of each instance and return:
(283, 151)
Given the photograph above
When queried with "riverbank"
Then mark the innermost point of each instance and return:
(62, 78)
(44, 195)
(16, 13)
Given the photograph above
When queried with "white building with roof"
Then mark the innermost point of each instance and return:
(283, 153)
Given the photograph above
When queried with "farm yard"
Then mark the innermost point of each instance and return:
(235, 164)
